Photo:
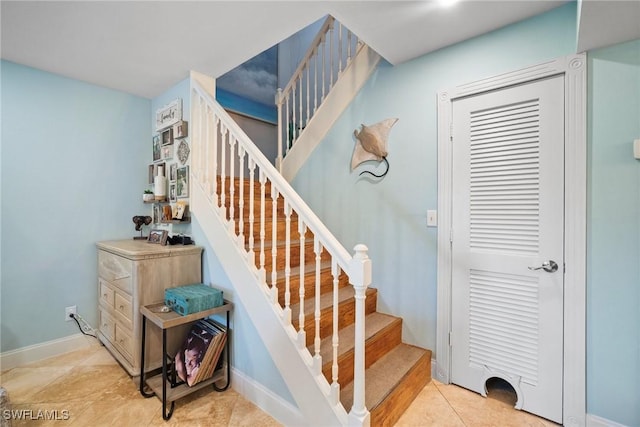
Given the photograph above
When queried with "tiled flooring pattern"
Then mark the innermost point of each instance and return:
(96, 391)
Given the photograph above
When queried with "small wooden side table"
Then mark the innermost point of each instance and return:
(170, 387)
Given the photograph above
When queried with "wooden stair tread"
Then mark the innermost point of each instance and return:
(326, 300)
(374, 323)
(385, 375)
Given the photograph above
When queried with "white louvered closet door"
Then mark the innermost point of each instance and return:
(508, 215)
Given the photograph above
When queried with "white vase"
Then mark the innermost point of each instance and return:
(160, 185)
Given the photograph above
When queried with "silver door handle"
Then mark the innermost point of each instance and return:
(548, 266)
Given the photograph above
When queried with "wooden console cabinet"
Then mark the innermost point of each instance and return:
(132, 274)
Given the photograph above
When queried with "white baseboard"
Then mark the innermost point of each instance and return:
(34, 353)
(281, 410)
(596, 421)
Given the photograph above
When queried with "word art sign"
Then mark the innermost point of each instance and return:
(169, 114)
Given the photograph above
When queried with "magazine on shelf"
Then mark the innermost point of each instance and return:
(197, 358)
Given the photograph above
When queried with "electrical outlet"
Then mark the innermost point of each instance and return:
(68, 311)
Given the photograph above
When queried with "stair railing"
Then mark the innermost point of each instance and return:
(330, 52)
(222, 154)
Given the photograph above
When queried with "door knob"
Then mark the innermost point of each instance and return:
(548, 266)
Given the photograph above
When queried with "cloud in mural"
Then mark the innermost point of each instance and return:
(256, 79)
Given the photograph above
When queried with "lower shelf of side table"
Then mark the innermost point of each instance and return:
(182, 390)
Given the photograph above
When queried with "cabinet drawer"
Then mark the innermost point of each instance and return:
(116, 269)
(123, 342)
(123, 306)
(107, 295)
(107, 325)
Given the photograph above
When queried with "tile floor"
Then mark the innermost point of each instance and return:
(96, 391)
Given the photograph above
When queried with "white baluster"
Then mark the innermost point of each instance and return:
(315, 78)
(263, 272)
(323, 67)
(287, 127)
(302, 334)
(203, 143)
(339, 49)
(308, 84)
(232, 184)
(214, 165)
(274, 249)
(360, 278)
(197, 139)
(224, 133)
(349, 47)
(252, 255)
(335, 386)
(241, 155)
(293, 116)
(301, 124)
(282, 126)
(287, 263)
(317, 359)
(331, 56)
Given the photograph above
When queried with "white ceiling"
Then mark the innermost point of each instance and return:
(144, 47)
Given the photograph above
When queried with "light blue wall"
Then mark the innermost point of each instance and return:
(248, 353)
(389, 216)
(613, 275)
(73, 158)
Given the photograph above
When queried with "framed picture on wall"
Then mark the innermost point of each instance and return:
(172, 192)
(156, 148)
(173, 171)
(182, 182)
(167, 151)
(167, 136)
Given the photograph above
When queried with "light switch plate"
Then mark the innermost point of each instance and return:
(432, 218)
(636, 149)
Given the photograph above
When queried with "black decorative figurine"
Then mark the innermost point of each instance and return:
(139, 221)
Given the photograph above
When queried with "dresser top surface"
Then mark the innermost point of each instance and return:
(137, 249)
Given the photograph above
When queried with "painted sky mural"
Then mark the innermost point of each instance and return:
(250, 88)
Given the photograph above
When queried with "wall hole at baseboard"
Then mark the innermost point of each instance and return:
(502, 390)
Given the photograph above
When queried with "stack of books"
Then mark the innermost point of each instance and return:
(198, 357)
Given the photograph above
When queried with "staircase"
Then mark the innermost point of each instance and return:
(309, 298)
(395, 372)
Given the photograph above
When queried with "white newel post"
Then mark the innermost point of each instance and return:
(281, 128)
(360, 278)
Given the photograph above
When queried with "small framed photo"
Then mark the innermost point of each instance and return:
(158, 237)
(180, 129)
(182, 182)
(167, 151)
(172, 192)
(167, 136)
(173, 171)
(156, 148)
(152, 168)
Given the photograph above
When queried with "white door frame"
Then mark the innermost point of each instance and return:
(573, 68)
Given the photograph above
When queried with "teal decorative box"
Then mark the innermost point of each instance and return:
(189, 299)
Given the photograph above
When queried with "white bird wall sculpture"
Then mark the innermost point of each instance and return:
(371, 144)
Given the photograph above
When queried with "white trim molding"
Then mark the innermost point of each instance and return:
(596, 421)
(34, 353)
(574, 69)
(283, 411)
